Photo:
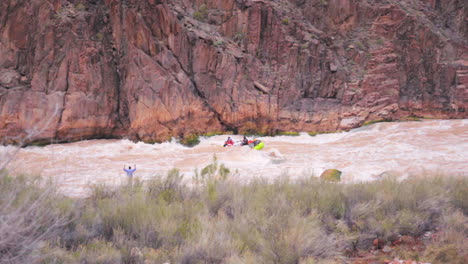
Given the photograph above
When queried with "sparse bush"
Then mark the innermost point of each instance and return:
(99, 36)
(459, 195)
(99, 251)
(314, 133)
(218, 43)
(239, 37)
(80, 7)
(217, 220)
(203, 8)
(359, 45)
(169, 189)
(201, 14)
(411, 118)
(29, 216)
(190, 140)
(214, 244)
(371, 122)
(288, 133)
(213, 133)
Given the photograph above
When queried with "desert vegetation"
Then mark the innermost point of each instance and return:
(215, 219)
(201, 14)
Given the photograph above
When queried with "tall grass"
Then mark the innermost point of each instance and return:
(29, 216)
(217, 220)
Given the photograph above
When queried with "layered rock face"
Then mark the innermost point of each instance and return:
(156, 69)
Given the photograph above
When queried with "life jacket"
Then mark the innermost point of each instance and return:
(229, 142)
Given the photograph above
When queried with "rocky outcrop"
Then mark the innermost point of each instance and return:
(332, 175)
(156, 69)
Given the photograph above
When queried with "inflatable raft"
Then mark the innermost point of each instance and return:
(256, 144)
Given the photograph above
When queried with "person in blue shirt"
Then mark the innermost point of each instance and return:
(130, 171)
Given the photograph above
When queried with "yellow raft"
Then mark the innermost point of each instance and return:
(259, 146)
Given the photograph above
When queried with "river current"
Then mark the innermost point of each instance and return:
(403, 149)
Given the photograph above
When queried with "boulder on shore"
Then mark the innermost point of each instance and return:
(333, 175)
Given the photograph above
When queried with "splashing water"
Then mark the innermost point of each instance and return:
(402, 149)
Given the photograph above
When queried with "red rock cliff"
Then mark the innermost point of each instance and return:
(154, 69)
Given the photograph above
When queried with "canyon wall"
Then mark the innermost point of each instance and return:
(155, 69)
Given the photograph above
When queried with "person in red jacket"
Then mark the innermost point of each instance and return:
(228, 142)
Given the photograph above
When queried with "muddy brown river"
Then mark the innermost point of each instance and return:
(403, 149)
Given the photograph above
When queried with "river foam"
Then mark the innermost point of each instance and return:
(403, 149)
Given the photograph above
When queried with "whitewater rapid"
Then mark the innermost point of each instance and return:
(403, 149)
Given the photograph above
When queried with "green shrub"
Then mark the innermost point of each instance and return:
(359, 45)
(201, 14)
(314, 133)
(239, 37)
(190, 140)
(288, 133)
(99, 251)
(216, 219)
(80, 7)
(450, 245)
(371, 122)
(459, 195)
(410, 118)
(213, 133)
(218, 43)
(169, 189)
(212, 172)
(99, 36)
